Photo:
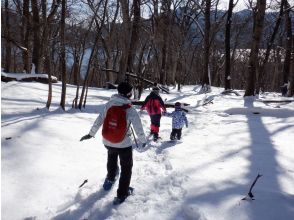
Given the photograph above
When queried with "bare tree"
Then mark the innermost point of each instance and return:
(36, 34)
(26, 35)
(261, 69)
(88, 73)
(99, 22)
(205, 78)
(46, 51)
(7, 37)
(108, 40)
(126, 32)
(258, 19)
(289, 42)
(228, 46)
(134, 34)
(62, 54)
(165, 19)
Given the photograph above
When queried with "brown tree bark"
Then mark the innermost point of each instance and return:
(164, 25)
(261, 69)
(88, 73)
(228, 46)
(8, 56)
(36, 35)
(256, 37)
(134, 34)
(62, 54)
(125, 39)
(26, 35)
(205, 78)
(289, 41)
(46, 45)
(108, 45)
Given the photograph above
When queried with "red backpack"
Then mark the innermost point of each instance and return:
(115, 124)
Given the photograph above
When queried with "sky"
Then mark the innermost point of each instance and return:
(241, 4)
(204, 176)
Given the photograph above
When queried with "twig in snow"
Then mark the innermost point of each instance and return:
(85, 181)
(250, 194)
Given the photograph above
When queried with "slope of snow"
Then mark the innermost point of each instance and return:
(204, 176)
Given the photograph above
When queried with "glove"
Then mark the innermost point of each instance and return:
(143, 145)
(86, 137)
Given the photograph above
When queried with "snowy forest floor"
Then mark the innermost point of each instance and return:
(202, 177)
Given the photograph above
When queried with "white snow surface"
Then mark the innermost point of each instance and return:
(21, 76)
(202, 177)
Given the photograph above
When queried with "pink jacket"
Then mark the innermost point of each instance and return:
(153, 104)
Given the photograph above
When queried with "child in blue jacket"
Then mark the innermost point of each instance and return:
(179, 119)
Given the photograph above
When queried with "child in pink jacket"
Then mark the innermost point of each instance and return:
(154, 106)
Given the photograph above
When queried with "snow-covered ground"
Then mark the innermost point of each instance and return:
(203, 177)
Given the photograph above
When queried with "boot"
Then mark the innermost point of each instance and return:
(155, 136)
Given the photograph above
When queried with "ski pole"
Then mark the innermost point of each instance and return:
(134, 137)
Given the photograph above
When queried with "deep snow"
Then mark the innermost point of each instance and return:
(202, 177)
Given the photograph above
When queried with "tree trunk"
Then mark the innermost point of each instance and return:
(47, 67)
(81, 58)
(126, 40)
(289, 39)
(163, 44)
(291, 89)
(228, 46)
(7, 37)
(256, 37)
(46, 44)
(88, 71)
(62, 54)
(134, 35)
(36, 31)
(26, 35)
(205, 77)
(261, 72)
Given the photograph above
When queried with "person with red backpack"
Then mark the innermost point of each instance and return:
(116, 119)
(154, 106)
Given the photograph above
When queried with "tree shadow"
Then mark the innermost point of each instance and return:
(271, 200)
(85, 207)
(14, 118)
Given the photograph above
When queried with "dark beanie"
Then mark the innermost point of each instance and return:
(124, 88)
(177, 105)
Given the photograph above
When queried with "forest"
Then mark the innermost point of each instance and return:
(98, 43)
(229, 66)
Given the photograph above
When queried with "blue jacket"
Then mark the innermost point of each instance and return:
(179, 118)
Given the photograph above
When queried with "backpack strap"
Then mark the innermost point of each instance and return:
(125, 107)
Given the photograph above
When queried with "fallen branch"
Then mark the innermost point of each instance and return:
(250, 194)
(230, 91)
(275, 101)
(85, 181)
(164, 89)
(167, 105)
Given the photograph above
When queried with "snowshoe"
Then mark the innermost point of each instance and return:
(107, 185)
(155, 137)
(118, 200)
(172, 138)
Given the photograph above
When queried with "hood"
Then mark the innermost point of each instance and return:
(118, 100)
